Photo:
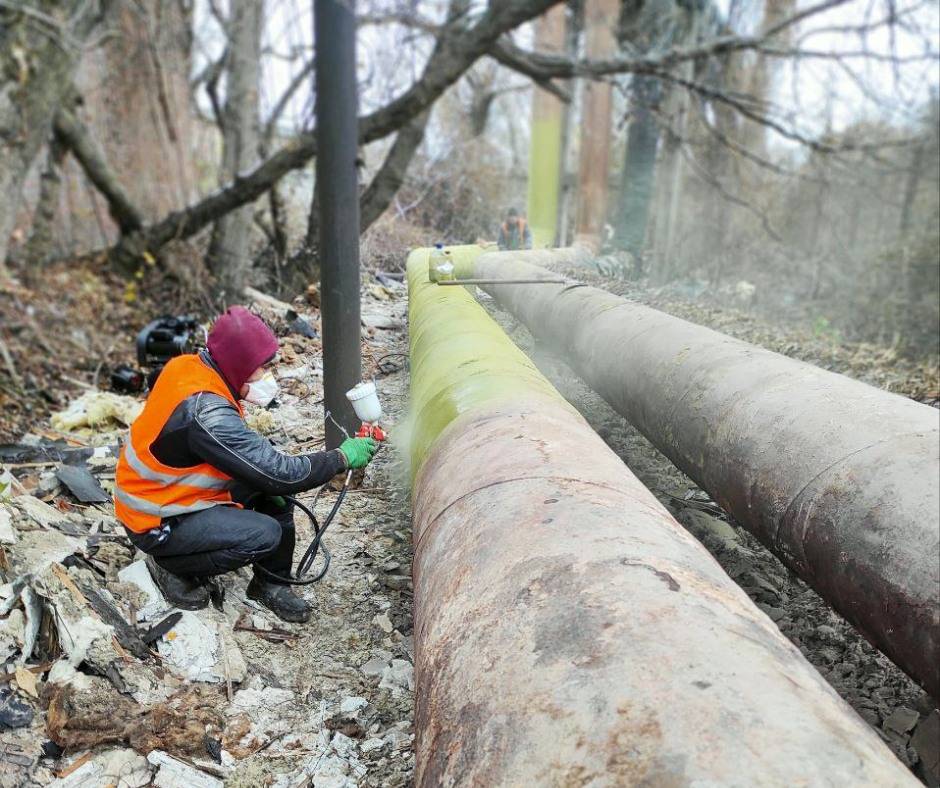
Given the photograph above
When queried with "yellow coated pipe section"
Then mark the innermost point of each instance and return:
(460, 358)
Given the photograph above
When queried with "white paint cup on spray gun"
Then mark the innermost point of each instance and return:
(365, 401)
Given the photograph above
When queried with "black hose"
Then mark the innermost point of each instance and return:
(316, 545)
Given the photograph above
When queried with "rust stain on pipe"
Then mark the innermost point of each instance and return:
(838, 478)
(567, 630)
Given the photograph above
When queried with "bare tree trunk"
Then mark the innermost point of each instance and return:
(819, 214)
(639, 164)
(720, 164)
(669, 176)
(600, 17)
(74, 136)
(914, 174)
(457, 49)
(546, 140)
(42, 245)
(143, 118)
(230, 251)
(36, 60)
(753, 134)
(389, 178)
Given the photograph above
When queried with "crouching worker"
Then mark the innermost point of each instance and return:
(197, 490)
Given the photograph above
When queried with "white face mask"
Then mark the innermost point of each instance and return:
(262, 392)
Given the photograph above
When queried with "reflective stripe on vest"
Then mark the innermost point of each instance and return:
(155, 509)
(200, 480)
(146, 490)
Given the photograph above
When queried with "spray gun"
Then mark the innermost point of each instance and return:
(365, 402)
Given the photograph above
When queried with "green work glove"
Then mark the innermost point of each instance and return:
(358, 451)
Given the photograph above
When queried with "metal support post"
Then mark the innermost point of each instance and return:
(338, 195)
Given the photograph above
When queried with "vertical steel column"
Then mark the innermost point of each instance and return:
(338, 195)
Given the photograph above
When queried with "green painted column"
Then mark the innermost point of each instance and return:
(545, 145)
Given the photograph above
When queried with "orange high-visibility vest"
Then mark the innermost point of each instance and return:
(146, 490)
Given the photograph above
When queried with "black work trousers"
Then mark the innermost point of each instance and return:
(222, 538)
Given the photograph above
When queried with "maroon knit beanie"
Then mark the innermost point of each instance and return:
(240, 342)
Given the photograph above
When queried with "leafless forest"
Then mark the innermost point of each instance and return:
(766, 168)
(789, 147)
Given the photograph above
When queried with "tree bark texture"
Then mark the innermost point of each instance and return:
(600, 18)
(545, 148)
(638, 167)
(137, 104)
(42, 244)
(230, 251)
(754, 135)
(37, 57)
(72, 134)
(388, 180)
(914, 174)
(669, 186)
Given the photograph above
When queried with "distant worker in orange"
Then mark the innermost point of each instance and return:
(514, 233)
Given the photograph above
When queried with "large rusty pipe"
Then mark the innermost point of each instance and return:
(567, 630)
(838, 478)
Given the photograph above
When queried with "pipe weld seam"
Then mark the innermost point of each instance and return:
(796, 498)
(436, 517)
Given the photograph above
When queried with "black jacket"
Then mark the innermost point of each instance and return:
(207, 428)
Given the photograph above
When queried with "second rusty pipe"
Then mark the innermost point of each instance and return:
(838, 478)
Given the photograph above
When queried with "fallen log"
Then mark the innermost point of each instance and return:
(837, 478)
(567, 629)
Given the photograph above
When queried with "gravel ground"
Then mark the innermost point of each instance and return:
(351, 668)
(328, 703)
(902, 714)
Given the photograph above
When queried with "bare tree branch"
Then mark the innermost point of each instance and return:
(289, 92)
(403, 18)
(458, 48)
(74, 136)
(715, 183)
(548, 66)
(387, 181)
(213, 75)
(508, 56)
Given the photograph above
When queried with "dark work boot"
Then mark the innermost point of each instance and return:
(186, 593)
(279, 599)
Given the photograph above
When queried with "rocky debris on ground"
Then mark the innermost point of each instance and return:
(876, 688)
(173, 773)
(122, 768)
(107, 684)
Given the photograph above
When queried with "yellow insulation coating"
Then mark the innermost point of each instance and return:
(460, 358)
(545, 175)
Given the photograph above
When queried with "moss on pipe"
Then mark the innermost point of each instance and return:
(460, 358)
